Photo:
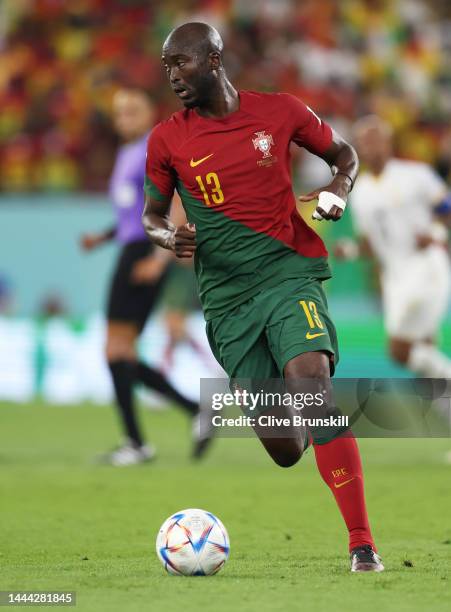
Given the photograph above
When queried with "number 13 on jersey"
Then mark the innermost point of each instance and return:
(212, 192)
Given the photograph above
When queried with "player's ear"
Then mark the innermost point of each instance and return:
(214, 59)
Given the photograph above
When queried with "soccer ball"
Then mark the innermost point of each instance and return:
(192, 542)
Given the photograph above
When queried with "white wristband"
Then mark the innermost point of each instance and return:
(326, 201)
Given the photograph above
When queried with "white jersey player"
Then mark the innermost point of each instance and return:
(395, 206)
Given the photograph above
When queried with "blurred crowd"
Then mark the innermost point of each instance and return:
(62, 60)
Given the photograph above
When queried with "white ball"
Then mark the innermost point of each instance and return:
(193, 542)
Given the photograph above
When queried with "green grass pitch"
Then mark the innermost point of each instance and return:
(68, 524)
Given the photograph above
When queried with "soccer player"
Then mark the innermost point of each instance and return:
(180, 299)
(399, 208)
(259, 266)
(138, 278)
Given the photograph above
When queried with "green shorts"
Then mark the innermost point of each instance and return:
(258, 338)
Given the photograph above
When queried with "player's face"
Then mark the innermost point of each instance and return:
(190, 76)
(132, 114)
(374, 146)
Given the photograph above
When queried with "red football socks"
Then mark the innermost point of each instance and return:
(339, 464)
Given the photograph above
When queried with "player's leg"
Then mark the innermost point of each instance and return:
(175, 323)
(122, 331)
(121, 358)
(129, 306)
(414, 307)
(157, 381)
(399, 349)
(135, 303)
(285, 445)
(180, 299)
(143, 299)
(176, 306)
(421, 356)
(338, 459)
(240, 346)
(304, 344)
(413, 313)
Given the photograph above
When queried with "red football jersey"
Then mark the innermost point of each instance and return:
(234, 178)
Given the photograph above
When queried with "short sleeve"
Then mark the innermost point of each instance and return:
(159, 182)
(308, 130)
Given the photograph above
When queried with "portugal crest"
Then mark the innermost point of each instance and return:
(263, 143)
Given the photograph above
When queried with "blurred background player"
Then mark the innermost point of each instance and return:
(139, 276)
(181, 299)
(400, 209)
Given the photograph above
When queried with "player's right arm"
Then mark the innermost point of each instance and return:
(181, 240)
(159, 189)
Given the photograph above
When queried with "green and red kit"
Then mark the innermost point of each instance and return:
(233, 175)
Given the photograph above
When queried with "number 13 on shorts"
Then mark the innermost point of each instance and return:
(311, 314)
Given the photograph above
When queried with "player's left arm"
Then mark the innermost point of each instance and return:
(311, 132)
(344, 164)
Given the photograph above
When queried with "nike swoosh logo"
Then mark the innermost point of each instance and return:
(310, 336)
(193, 163)
(342, 484)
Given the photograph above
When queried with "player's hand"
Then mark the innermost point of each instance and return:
(89, 242)
(335, 212)
(184, 244)
(148, 270)
(340, 187)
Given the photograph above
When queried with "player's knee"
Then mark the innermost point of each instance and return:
(287, 460)
(289, 455)
(118, 349)
(308, 365)
(399, 350)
